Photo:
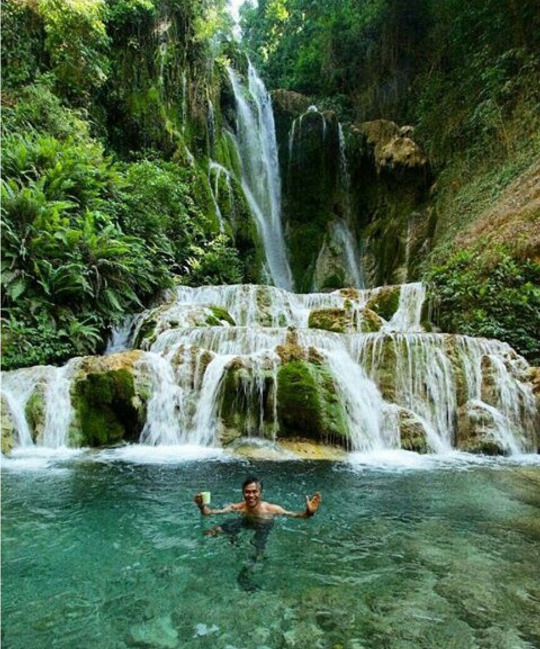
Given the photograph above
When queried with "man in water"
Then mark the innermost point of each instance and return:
(257, 515)
(254, 509)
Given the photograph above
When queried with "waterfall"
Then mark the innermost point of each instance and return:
(206, 383)
(51, 386)
(121, 336)
(256, 141)
(345, 239)
(379, 378)
(342, 229)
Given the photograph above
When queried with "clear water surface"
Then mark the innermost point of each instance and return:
(104, 550)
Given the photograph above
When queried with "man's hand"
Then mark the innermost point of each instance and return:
(312, 504)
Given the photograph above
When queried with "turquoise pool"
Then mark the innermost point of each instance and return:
(106, 551)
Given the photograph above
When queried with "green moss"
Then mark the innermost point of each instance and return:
(104, 405)
(308, 403)
(337, 320)
(369, 321)
(146, 333)
(386, 302)
(35, 411)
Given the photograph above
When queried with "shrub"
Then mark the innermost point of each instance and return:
(491, 294)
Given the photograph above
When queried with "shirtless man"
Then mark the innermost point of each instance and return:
(256, 515)
(254, 511)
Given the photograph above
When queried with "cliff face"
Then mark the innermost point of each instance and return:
(370, 176)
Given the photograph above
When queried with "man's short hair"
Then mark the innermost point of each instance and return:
(249, 480)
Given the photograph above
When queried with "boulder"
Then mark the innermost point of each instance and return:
(8, 432)
(308, 403)
(385, 301)
(35, 411)
(108, 407)
(412, 432)
(477, 430)
(290, 102)
(391, 146)
(336, 320)
(345, 320)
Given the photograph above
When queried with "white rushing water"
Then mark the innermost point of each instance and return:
(257, 146)
(440, 385)
(342, 230)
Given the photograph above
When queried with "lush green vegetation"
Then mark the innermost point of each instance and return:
(488, 293)
(91, 231)
(105, 193)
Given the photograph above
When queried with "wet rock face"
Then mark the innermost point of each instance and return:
(385, 302)
(35, 412)
(107, 407)
(166, 317)
(412, 432)
(308, 404)
(8, 432)
(477, 430)
(248, 402)
(390, 146)
(346, 320)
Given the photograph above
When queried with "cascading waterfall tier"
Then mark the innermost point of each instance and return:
(257, 147)
(353, 367)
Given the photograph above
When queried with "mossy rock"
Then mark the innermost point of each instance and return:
(412, 432)
(336, 320)
(370, 322)
(476, 430)
(380, 361)
(247, 401)
(385, 302)
(34, 411)
(308, 404)
(105, 406)
(8, 432)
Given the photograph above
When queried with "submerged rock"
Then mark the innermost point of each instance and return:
(157, 633)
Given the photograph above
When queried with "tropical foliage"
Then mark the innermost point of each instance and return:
(488, 293)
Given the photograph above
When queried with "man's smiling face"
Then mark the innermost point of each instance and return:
(252, 494)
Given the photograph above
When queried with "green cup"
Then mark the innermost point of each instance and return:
(206, 497)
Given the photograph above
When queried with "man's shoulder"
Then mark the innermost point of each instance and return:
(271, 507)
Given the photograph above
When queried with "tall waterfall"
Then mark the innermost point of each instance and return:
(342, 231)
(256, 141)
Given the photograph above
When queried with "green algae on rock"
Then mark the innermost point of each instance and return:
(308, 403)
(108, 408)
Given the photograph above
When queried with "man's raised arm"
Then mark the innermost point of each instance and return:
(312, 505)
(206, 511)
